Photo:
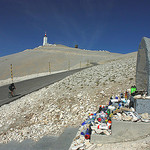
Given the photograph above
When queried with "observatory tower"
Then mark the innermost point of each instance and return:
(45, 40)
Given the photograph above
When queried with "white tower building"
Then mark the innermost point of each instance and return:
(45, 40)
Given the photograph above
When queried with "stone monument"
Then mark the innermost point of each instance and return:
(143, 75)
(143, 66)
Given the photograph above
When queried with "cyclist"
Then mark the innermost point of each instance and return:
(11, 88)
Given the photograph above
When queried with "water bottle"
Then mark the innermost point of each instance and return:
(100, 108)
(99, 119)
(110, 102)
(102, 127)
(108, 111)
(106, 120)
(121, 95)
(93, 117)
(88, 121)
(110, 115)
(109, 124)
(120, 105)
(87, 134)
(103, 108)
(103, 120)
(83, 132)
(132, 89)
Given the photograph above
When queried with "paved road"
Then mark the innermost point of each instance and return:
(62, 142)
(28, 86)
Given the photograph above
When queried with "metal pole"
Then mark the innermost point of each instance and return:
(11, 73)
(49, 67)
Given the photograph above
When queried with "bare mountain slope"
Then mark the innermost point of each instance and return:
(37, 60)
(67, 102)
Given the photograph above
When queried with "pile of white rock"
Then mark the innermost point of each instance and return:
(100, 123)
(81, 143)
(65, 103)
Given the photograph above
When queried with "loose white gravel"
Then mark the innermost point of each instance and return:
(68, 102)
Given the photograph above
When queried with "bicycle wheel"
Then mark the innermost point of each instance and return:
(9, 95)
(14, 93)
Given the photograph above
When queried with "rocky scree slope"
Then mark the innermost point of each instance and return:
(67, 102)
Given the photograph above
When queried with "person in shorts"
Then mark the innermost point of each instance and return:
(11, 88)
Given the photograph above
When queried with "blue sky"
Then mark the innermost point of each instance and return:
(113, 25)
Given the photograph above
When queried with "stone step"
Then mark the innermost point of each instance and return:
(123, 131)
(62, 142)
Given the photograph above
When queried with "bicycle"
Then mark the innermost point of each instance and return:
(10, 94)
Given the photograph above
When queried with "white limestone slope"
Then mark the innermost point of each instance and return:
(33, 61)
(67, 102)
